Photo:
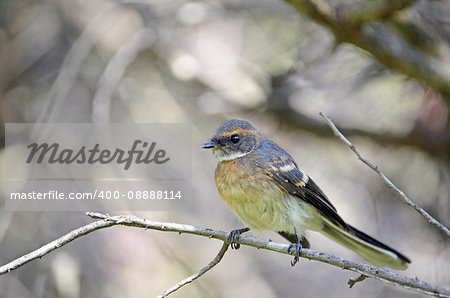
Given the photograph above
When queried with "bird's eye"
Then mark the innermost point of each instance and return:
(235, 139)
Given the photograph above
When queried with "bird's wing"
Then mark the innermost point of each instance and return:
(284, 171)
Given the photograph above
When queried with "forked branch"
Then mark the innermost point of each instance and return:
(132, 221)
(400, 193)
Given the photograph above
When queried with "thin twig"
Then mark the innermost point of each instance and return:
(67, 76)
(114, 72)
(133, 221)
(47, 248)
(402, 195)
(353, 281)
(377, 38)
(205, 269)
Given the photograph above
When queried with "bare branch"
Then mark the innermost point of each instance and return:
(42, 251)
(401, 194)
(379, 40)
(353, 281)
(205, 269)
(72, 63)
(357, 13)
(114, 72)
(133, 221)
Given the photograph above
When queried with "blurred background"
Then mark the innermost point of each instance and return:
(381, 72)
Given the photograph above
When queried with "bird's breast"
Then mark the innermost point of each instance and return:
(238, 181)
(253, 196)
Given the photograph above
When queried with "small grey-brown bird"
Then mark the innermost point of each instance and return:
(262, 184)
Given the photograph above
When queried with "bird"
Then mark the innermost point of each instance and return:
(263, 185)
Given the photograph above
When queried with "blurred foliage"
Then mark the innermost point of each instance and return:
(207, 61)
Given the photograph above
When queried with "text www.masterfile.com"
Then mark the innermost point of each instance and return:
(99, 194)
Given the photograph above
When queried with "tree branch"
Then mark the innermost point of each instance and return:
(281, 109)
(114, 71)
(129, 220)
(205, 269)
(401, 194)
(42, 251)
(355, 280)
(377, 39)
(357, 13)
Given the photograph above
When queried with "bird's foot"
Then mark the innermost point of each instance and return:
(297, 247)
(234, 236)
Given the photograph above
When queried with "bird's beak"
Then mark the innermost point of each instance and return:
(211, 145)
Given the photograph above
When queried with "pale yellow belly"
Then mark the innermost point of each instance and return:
(261, 204)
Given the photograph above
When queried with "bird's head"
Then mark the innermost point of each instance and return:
(234, 139)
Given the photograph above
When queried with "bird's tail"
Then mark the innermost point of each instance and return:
(367, 247)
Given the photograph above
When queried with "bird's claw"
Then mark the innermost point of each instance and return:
(234, 236)
(297, 247)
